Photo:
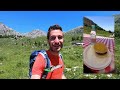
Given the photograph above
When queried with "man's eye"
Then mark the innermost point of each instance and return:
(52, 38)
(60, 37)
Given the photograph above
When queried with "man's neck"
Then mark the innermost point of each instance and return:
(54, 53)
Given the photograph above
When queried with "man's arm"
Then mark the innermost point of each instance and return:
(63, 77)
(35, 77)
(38, 67)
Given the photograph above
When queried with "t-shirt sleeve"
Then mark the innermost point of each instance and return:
(38, 66)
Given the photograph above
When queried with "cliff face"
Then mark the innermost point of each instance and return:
(88, 23)
(5, 30)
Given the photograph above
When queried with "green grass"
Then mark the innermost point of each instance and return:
(14, 59)
(87, 30)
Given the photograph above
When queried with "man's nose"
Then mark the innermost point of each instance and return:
(56, 40)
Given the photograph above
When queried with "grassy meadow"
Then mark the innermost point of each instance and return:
(14, 58)
(99, 32)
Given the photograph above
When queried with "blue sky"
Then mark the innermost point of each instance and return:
(106, 22)
(26, 21)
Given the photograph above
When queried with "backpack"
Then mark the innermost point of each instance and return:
(46, 58)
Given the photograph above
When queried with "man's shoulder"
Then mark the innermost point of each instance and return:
(42, 53)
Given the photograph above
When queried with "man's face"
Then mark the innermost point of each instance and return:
(56, 40)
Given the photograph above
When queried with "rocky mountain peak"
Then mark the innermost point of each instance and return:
(35, 33)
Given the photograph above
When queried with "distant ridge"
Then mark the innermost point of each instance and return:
(7, 31)
(76, 30)
(36, 33)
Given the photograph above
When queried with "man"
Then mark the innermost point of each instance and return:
(55, 40)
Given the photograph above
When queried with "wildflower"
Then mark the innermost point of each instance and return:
(109, 75)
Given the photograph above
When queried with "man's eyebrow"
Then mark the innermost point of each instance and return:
(56, 35)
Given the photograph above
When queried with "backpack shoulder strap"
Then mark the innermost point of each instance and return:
(43, 52)
(61, 56)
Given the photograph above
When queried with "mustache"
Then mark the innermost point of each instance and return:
(58, 45)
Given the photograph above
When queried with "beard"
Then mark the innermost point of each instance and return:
(56, 48)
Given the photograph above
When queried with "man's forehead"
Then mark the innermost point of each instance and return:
(56, 32)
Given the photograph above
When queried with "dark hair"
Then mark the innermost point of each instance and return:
(54, 27)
